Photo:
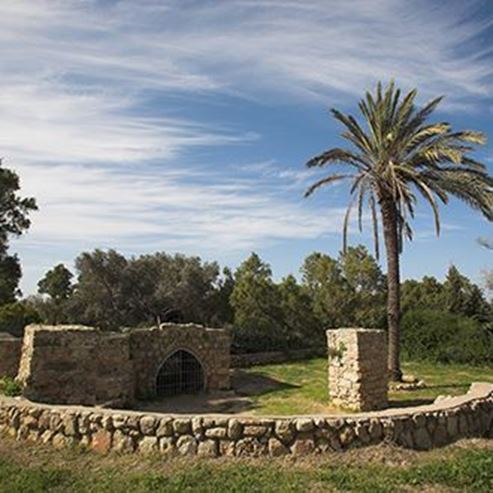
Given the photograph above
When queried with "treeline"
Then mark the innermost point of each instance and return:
(449, 321)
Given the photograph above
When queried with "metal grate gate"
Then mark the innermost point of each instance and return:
(181, 373)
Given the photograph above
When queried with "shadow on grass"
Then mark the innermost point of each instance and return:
(245, 387)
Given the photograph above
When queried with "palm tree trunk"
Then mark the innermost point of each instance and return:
(391, 236)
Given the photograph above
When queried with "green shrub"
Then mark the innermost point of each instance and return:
(445, 337)
(15, 316)
(10, 387)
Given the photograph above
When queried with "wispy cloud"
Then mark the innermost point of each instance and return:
(85, 119)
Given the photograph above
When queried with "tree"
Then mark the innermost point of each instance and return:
(255, 302)
(14, 220)
(98, 296)
(463, 297)
(366, 287)
(398, 156)
(325, 284)
(299, 324)
(57, 283)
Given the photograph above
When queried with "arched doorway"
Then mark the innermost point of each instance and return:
(181, 373)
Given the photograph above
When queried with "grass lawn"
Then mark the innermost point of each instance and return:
(301, 387)
(465, 466)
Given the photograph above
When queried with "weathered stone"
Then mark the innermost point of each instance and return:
(148, 445)
(59, 441)
(123, 443)
(215, 433)
(165, 428)
(101, 442)
(227, 448)
(358, 372)
(234, 429)
(440, 436)
(197, 428)
(375, 429)
(167, 445)
(148, 425)
(207, 448)
(254, 431)
(186, 445)
(303, 446)
(277, 448)
(46, 436)
(347, 436)
(285, 431)
(363, 434)
(182, 426)
(84, 365)
(250, 447)
(422, 440)
(70, 425)
(304, 424)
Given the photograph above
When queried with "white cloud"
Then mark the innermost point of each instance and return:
(111, 164)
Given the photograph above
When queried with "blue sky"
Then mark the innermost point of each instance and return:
(183, 125)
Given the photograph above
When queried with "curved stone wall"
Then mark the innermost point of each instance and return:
(105, 430)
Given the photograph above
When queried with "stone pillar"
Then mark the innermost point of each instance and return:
(358, 375)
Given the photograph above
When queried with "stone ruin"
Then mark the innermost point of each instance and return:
(83, 365)
(358, 375)
(87, 366)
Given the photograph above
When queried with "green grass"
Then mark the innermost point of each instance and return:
(302, 385)
(29, 468)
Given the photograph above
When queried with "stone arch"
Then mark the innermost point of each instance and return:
(181, 372)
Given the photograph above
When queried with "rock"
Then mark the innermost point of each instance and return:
(46, 436)
(148, 444)
(119, 421)
(101, 442)
(277, 448)
(452, 426)
(197, 428)
(59, 441)
(284, 431)
(254, 431)
(148, 425)
(440, 436)
(422, 440)
(347, 436)
(70, 425)
(186, 445)
(303, 446)
(207, 448)
(123, 443)
(167, 446)
(375, 430)
(363, 434)
(182, 426)
(304, 424)
(227, 448)
(249, 447)
(234, 429)
(215, 433)
(165, 428)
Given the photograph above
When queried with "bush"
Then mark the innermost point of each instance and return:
(10, 387)
(15, 316)
(445, 337)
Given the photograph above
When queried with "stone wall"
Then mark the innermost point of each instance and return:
(83, 365)
(10, 353)
(76, 365)
(149, 348)
(358, 375)
(105, 430)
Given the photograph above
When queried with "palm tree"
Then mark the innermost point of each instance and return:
(398, 156)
